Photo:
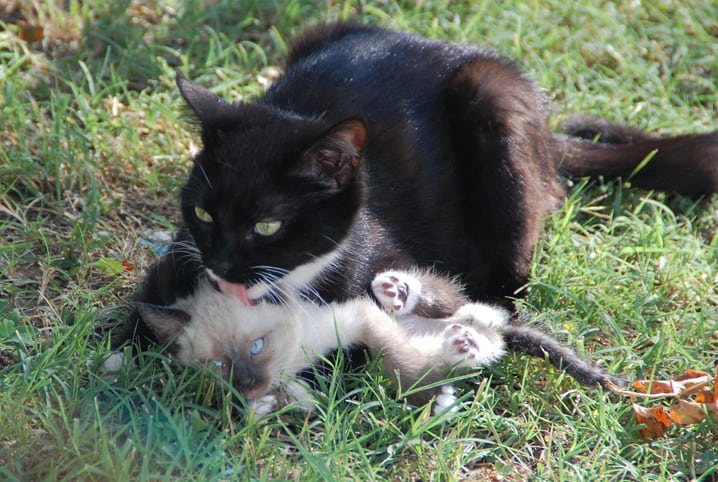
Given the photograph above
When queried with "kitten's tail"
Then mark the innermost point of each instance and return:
(594, 148)
(531, 341)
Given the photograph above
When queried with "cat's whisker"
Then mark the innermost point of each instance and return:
(331, 240)
(204, 173)
(185, 255)
(193, 189)
(269, 280)
(277, 273)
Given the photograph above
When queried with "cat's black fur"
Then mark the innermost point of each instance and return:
(404, 151)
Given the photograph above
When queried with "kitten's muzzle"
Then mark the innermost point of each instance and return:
(243, 376)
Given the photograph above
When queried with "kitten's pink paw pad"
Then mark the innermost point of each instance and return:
(466, 347)
(391, 291)
(461, 342)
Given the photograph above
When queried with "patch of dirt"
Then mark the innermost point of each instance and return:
(6, 359)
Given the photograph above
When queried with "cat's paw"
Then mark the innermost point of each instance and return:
(467, 347)
(396, 291)
(445, 400)
(481, 315)
(263, 405)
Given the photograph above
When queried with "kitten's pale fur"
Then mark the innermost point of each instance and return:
(261, 348)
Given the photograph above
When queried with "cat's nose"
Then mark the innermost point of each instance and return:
(243, 376)
(221, 268)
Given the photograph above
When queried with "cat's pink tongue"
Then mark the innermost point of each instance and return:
(238, 290)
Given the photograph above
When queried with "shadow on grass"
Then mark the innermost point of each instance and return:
(139, 41)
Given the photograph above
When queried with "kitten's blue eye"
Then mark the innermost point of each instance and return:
(257, 347)
(202, 215)
(267, 228)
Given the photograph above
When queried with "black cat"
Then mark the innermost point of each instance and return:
(378, 150)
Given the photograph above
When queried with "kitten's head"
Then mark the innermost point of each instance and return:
(210, 329)
(271, 195)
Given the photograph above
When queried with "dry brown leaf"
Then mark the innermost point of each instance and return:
(655, 419)
(691, 382)
(705, 396)
(686, 412)
(31, 33)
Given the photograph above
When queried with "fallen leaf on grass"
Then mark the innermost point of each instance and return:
(655, 419)
(113, 267)
(683, 411)
(31, 33)
(686, 412)
(693, 381)
(706, 396)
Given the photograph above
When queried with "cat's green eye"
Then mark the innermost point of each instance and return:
(267, 228)
(202, 215)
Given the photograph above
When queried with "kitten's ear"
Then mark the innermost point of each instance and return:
(166, 323)
(334, 159)
(203, 102)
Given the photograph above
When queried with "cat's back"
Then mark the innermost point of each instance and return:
(349, 68)
(316, 38)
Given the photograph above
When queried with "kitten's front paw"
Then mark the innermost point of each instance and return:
(263, 405)
(445, 400)
(114, 362)
(396, 291)
(468, 348)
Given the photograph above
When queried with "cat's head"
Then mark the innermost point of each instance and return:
(210, 329)
(271, 195)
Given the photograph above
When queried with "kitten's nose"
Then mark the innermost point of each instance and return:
(243, 376)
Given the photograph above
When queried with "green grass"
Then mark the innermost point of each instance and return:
(94, 145)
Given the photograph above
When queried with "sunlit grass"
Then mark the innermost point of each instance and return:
(94, 145)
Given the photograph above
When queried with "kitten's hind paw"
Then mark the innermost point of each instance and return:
(470, 348)
(396, 291)
(445, 400)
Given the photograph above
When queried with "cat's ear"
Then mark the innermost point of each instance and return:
(166, 323)
(334, 159)
(203, 102)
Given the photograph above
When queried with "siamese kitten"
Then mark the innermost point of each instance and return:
(262, 348)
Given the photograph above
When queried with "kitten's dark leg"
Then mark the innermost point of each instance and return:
(507, 172)
(528, 340)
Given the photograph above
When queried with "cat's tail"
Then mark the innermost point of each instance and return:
(594, 147)
(525, 339)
